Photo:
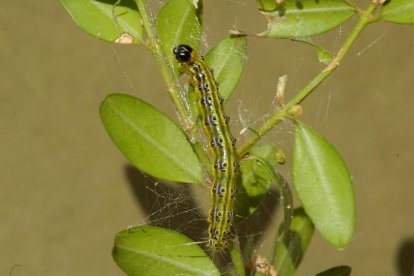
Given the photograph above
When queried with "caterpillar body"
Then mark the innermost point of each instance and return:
(221, 146)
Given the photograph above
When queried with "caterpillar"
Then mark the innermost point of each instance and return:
(221, 145)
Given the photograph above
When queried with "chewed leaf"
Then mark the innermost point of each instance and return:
(289, 254)
(305, 18)
(227, 59)
(106, 21)
(149, 250)
(149, 139)
(255, 181)
(179, 22)
(398, 11)
(323, 185)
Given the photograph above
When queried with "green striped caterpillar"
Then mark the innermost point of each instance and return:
(224, 168)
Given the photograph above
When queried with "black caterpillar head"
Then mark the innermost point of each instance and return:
(183, 53)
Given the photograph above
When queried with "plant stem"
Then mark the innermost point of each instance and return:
(237, 258)
(363, 21)
(154, 46)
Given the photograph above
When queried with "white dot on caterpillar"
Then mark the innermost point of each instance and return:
(217, 142)
(214, 234)
(221, 166)
(196, 67)
(211, 121)
(200, 77)
(219, 190)
(207, 100)
(203, 87)
(216, 215)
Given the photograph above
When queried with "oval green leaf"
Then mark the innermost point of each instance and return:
(288, 254)
(306, 18)
(323, 185)
(398, 11)
(227, 59)
(149, 250)
(179, 22)
(105, 21)
(149, 139)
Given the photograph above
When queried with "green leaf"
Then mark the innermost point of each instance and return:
(149, 139)
(398, 11)
(255, 181)
(227, 59)
(289, 254)
(106, 21)
(342, 270)
(179, 22)
(149, 250)
(307, 18)
(323, 185)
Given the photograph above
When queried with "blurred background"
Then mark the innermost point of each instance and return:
(65, 189)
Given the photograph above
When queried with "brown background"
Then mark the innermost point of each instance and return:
(64, 189)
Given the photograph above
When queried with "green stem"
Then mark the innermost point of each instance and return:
(237, 258)
(364, 20)
(154, 46)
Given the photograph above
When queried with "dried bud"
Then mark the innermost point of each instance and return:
(280, 91)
